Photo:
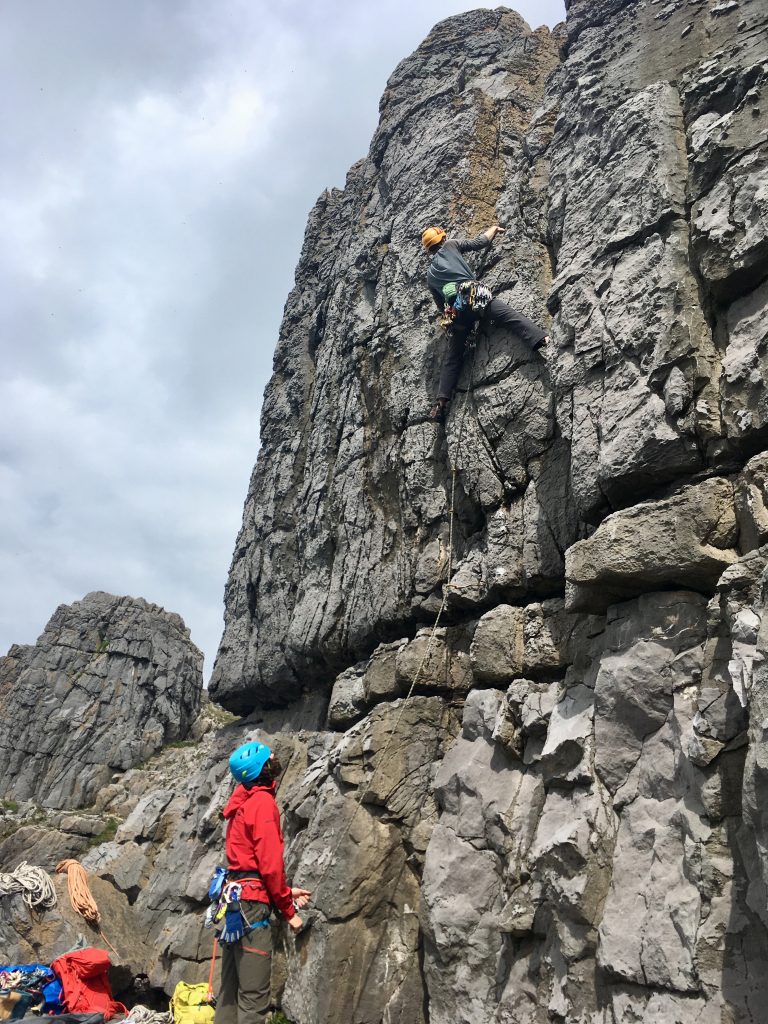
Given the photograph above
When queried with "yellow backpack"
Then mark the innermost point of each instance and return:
(190, 1004)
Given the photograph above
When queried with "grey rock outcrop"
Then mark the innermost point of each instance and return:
(109, 682)
(693, 535)
(641, 181)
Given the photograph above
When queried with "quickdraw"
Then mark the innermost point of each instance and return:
(467, 301)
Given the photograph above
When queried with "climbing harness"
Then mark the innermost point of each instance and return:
(32, 882)
(226, 913)
(464, 303)
(80, 896)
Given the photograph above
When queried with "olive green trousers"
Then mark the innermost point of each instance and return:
(243, 997)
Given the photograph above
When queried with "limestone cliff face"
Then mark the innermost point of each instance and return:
(631, 178)
(589, 842)
(552, 806)
(344, 533)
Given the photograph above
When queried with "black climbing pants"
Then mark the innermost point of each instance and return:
(497, 313)
(243, 996)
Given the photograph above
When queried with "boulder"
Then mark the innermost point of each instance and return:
(348, 701)
(436, 659)
(686, 540)
(497, 647)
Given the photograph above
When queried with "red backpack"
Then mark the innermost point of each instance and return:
(83, 976)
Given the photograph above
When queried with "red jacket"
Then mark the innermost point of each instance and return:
(255, 843)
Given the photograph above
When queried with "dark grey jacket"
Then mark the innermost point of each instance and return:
(448, 265)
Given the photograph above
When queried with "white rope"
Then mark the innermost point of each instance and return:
(143, 1015)
(34, 884)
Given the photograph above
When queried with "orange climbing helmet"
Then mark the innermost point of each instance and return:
(432, 236)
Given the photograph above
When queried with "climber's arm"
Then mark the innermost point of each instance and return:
(492, 231)
(482, 241)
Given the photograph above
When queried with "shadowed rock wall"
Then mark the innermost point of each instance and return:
(344, 532)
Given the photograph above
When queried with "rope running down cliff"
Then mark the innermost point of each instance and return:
(443, 604)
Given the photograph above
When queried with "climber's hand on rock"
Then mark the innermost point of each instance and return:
(301, 897)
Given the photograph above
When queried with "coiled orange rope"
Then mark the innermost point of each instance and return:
(80, 896)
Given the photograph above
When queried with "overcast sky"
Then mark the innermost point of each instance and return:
(158, 160)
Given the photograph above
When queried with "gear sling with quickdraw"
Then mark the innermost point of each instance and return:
(465, 304)
(226, 913)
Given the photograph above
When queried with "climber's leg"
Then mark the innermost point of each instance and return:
(452, 363)
(503, 315)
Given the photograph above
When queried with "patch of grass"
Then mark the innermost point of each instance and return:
(107, 833)
(9, 805)
(218, 715)
(280, 1018)
(154, 758)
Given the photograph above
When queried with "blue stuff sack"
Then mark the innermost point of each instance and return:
(217, 884)
(53, 994)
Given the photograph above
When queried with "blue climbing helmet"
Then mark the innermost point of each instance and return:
(248, 760)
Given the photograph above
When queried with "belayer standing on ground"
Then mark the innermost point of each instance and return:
(458, 295)
(254, 845)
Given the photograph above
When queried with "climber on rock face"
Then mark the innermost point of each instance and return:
(465, 303)
(254, 846)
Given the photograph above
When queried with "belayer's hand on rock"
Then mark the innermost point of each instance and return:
(295, 924)
(301, 897)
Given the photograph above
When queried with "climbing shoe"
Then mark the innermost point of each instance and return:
(439, 411)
